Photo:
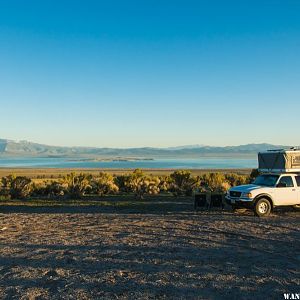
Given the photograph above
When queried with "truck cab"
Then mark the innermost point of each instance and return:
(266, 192)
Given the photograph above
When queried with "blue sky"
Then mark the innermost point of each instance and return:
(150, 73)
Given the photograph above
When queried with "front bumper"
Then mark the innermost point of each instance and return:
(239, 202)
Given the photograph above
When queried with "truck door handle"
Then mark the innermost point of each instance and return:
(293, 190)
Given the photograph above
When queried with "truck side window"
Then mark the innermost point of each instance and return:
(297, 180)
(287, 180)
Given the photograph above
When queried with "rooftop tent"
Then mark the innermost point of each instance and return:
(279, 161)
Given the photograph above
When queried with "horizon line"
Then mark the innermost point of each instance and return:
(153, 147)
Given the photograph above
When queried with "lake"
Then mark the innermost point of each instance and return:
(199, 163)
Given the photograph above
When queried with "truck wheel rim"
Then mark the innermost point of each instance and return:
(263, 207)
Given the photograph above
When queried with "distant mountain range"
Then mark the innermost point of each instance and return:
(10, 148)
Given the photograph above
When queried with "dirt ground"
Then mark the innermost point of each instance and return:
(95, 254)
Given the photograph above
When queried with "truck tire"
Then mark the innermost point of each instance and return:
(262, 207)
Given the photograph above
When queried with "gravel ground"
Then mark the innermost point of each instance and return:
(111, 255)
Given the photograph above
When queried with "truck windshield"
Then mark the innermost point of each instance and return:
(266, 180)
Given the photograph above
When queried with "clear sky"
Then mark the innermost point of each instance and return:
(150, 73)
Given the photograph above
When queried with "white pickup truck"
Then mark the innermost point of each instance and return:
(266, 192)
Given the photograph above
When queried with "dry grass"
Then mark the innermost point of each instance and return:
(55, 173)
(95, 252)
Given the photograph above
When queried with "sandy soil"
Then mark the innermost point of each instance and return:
(181, 255)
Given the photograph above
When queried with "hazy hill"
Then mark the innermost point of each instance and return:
(24, 148)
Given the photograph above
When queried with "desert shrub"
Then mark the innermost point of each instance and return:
(16, 187)
(141, 184)
(164, 184)
(38, 189)
(4, 197)
(49, 189)
(183, 183)
(235, 179)
(214, 182)
(54, 189)
(121, 182)
(5, 184)
(104, 184)
(75, 186)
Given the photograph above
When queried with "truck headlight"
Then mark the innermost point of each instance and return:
(247, 195)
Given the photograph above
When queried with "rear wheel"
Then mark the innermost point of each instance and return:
(262, 207)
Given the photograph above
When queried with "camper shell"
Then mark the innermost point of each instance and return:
(279, 161)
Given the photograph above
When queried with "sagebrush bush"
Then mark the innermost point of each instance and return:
(104, 184)
(183, 183)
(140, 184)
(16, 187)
(76, 186)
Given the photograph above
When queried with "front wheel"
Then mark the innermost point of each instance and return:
(262, 207)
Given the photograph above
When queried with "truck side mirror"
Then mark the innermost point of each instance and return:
(281, 184)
